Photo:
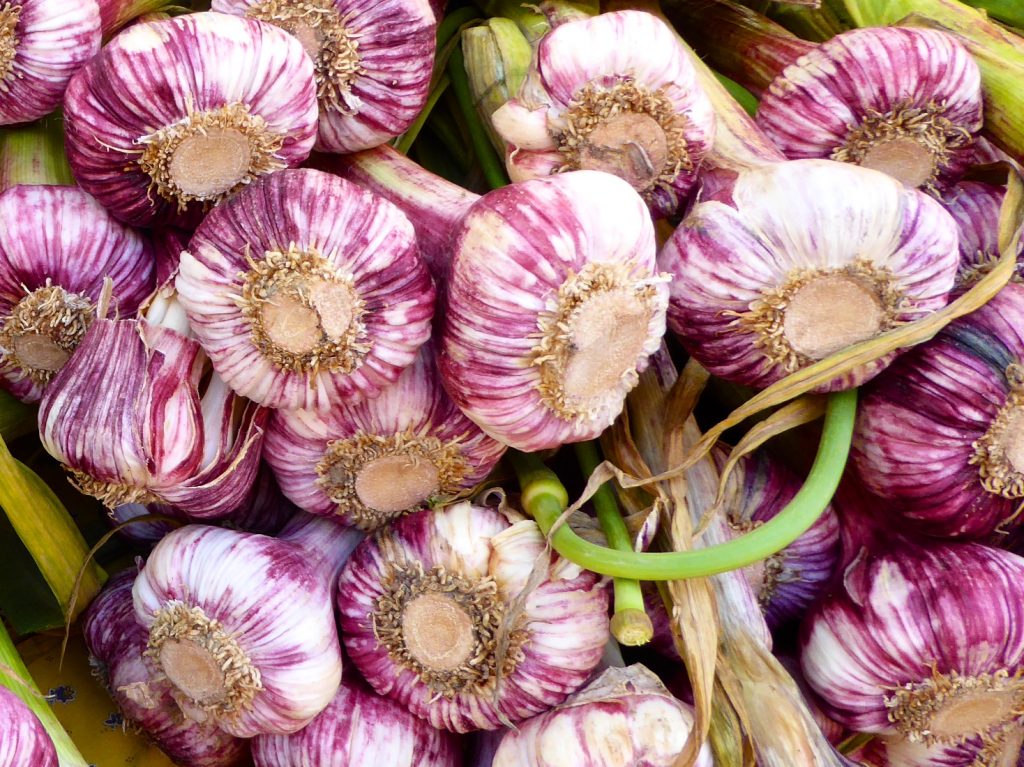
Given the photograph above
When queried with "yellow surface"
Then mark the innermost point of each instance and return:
(84, 707)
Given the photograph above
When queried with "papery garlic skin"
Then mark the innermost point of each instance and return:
(57, 247)
(616, 93)
(172, 116)
(873, 254)
(368, 462)
(553, 306)
(937, 436)
(468, 564)
(975, 207)
(905, 101)
(624, 717)
(254, 600)
(23, 740)
(372, 61)
(306, 290)
(360, 727)
(42, 44)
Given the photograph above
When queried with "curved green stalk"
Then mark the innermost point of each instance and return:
(544, 498)
(491, 165)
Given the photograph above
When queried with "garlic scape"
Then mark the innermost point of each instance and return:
(306, 290)
(360, 727)
(58, 246)
(42, 44)
(760, 291)
(371, 461)
(939, 434)
(553, 306)
(624, 717)
(372, 62)
(975, 206)
(614, 93)
(467, 620)
(34, 154)
(173, 116)
(240, 628)
(23, 740)
(134, 419)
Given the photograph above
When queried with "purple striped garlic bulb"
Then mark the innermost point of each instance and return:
(306, 290)
(442, 612)
(360, 727)
(58, 246)
(624, 717)
(615, 93)
(760, 291)
(42, 44)
(922, 642)
(905, 101)
(134, 419)
(553, 306)
(939, 435)
(173, 116)
(900, 752)
(787, 582)
(369, 462)
(975, 207)
(241, 626)
(23, 740)
(372, 62)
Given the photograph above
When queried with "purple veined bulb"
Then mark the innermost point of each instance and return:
(360, 727)
(938, 435)
(900, 752)
(429, 616)
(23, 740)
(173, 116)
(615, 93)
(306, 291)
(553, 306)
(57, 248)
(241, 628)
(975, 207)
(372, 62)
(760, 291)
(42, 44)
(369, 462)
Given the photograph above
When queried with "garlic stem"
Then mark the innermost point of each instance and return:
(490, 163)
(1007, 11)
(34, 154)
(544, 498)
(630, 624)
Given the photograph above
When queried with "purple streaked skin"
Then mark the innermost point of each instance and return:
(360, 727)
(55, 38)
(63, 235)
(975, 206)
(23, 740)
(396, 44)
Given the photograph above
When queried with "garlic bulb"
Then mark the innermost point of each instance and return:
(372, 461)
(900, 752)
(42, 44)
(173, 116)
(553, 306)
(902, 100)
(615, 93)
(134, 420)
(57, 247)
(117, 646)
(372, 62)
(624, 717)
(760, 291)
(467, 621)
(306, 290)
(23, 741)
(168, 245)
(360, 727)
(938, 435)
(242, 628)
(975, 205)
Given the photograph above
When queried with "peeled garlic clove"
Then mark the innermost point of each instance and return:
(173, 116)
(306, 290)
(360, 727)
(429, 616)
(760, 291)
(57, 247)
(553, 307)
(621, 96)
(372, 62)
(42, 44)
(369, 462)
(23, 740)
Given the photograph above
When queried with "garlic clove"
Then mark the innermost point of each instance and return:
(523, 127)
